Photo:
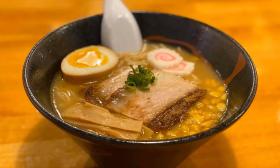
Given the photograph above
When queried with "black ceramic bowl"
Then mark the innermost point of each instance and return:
(222, 52)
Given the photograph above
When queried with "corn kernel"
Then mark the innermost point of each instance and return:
(184, 127)
(171, 134)
(179, 125)
(195, 128)
(185, 130)
(221, 106)
(210, 107)
(193, 132)
(214, 101)
(159, 136)
(199, 105)
(223, 97)
(207, 124)
(214, 94)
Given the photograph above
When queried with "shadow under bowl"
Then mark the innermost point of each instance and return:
(225, 55)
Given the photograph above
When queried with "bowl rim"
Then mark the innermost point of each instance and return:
(91, 136)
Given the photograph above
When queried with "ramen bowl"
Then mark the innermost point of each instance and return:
(225, 55)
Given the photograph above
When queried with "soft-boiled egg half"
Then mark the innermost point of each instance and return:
(87, 62)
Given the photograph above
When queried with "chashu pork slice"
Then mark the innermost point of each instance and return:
(162, 106)
(102, 91)
(107, 87)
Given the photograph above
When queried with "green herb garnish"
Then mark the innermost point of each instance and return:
(140, 78)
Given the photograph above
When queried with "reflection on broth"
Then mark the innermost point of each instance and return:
(163, 92)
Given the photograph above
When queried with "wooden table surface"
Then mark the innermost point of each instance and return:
(27, 140)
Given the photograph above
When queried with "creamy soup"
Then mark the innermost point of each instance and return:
(162, 92)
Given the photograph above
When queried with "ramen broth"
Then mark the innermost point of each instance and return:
(203, 115)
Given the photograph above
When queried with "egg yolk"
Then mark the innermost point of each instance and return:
(87, 58)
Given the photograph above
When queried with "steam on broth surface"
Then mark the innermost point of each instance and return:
(125, 113)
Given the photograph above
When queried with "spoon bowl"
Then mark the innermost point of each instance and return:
(119, 29)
